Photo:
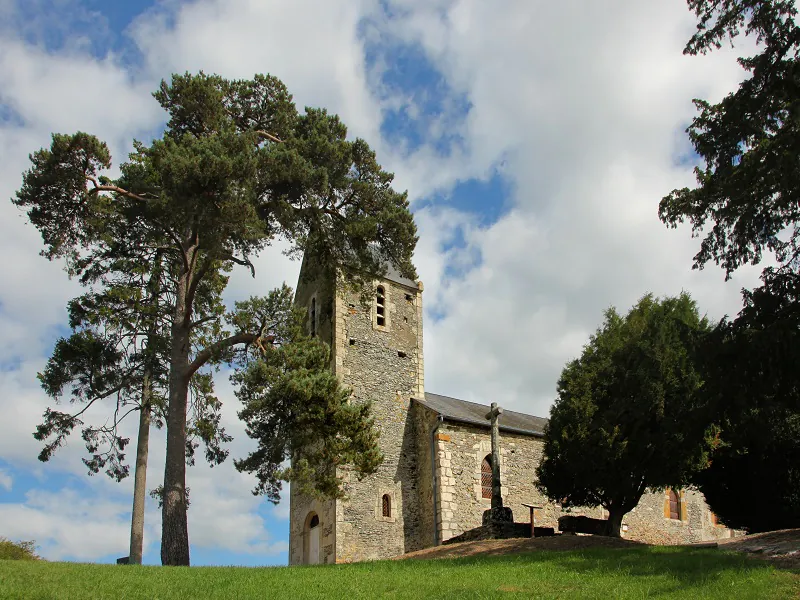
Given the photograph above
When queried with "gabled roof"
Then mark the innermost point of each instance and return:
(461, 411)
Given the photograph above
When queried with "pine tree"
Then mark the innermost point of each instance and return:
(236, 168)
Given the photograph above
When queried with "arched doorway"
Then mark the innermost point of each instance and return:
(311, 539)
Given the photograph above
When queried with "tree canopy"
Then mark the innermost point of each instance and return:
(747, 203)
(752, 389)
(236, 168)
(746, 200)
(625, 419)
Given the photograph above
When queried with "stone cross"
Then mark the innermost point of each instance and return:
(493, 415)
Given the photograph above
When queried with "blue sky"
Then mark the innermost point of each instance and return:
(534, 167)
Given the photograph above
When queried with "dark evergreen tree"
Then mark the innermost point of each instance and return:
(752, 387)
(747, 201)
(627, 417)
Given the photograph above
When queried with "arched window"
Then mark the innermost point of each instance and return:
(486, 477)
(387, 505)
(674, 505)
(380, 306)
(314, 522)
(313, 317)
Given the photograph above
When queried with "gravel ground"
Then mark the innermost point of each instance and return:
(781, 548)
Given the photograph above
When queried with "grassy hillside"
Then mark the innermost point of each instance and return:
(601, 573)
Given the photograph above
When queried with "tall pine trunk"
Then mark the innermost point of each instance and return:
(174, 526)
(143, 440)
(140, 474)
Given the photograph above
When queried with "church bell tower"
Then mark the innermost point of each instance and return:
(376, 351)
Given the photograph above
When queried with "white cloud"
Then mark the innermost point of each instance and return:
(584, 104)
(6, 481)
(67, 524)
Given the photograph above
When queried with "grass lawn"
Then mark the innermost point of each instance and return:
(596, 573)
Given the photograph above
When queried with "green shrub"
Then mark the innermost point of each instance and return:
(18, 550)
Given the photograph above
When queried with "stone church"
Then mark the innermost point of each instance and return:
(435, 481)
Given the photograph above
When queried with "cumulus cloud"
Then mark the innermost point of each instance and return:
(584, 106)
(6, 481)
(68, 524)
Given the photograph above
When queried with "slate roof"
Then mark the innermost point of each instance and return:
(461, 411)
(392, 274)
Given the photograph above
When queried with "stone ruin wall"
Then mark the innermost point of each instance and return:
(385, 365)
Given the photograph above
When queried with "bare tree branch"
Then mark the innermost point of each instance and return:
(204, 355)
(245, 262)
(268, 136)
(113, 188)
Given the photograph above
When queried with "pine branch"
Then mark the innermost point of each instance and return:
(204, 355)
(268, 136)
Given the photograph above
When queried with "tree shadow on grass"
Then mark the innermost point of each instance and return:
(680, 568)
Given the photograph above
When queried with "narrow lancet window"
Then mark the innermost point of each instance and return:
(387, 505)
(380, 306)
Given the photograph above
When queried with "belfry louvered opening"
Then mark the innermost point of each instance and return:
(380, 306)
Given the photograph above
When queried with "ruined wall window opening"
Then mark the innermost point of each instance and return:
(674, 505)
(486, 477)
(386, 505)
(380, 306)
(313, 317)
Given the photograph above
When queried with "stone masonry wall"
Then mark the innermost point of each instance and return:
(302, 507)
(383, 364)
(425, 422)
(650, 521)
(460, 450)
